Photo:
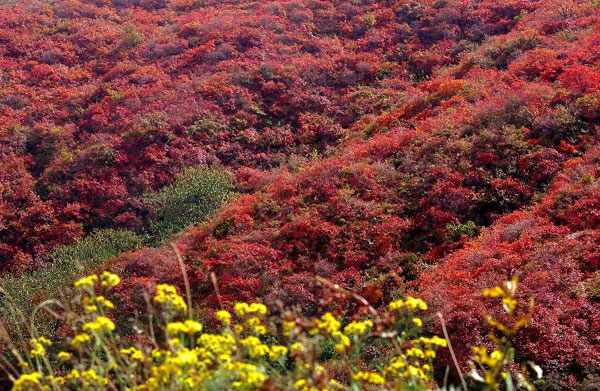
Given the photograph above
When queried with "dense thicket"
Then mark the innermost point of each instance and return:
(367, 138)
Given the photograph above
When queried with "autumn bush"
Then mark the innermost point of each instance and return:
(442, 144)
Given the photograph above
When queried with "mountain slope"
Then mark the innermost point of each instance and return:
(448, 143)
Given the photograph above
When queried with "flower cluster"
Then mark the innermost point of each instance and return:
(248, 351)
(167, 296)
(38, 346)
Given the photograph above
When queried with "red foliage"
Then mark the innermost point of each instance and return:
(361, 134)
(553, 248)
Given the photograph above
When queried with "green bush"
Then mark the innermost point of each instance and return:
(131, 37)
(457, 231)
(196, 194)
(66, 265)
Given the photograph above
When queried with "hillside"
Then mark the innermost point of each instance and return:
(430, 147)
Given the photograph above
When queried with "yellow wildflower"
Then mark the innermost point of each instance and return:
(27, 381)
(343, 342)
(101, 324)
(224, 317)
(80, 339)
(241, 309)
(238, 328)
(255, 347)
(277, 351)
(90, 377)
(59, 380)
(369, 377)
(109, 280)
(37, 346)
(167, 294)
(328, 323)
(358, 328)
(74, 374)
(133, 353)
(86, 282)
(65, 356)
(413, 303)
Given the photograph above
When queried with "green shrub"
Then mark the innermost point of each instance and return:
(131, 37)
(196, 194)
(457, 231)
(67, 264)
(594, 290)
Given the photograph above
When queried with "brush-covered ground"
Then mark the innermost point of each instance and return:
(431, 148)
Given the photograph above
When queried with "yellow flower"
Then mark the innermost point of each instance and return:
(277, 351)
(413, 303)
(258, 307)
(176, 328)
(37, 346)
(241, 309)
(396, 365)
(328, 323)
(358, 328)
(74, 374)
(105, 303)
(300, 383)
(255, 347)
(167, 294)
(90, 304)
(343, 342)
(394, 305)
(415, 352)
(413, 372)
(90, 309)
(86, 282)
(65, 356)
(224, 317)
(238, 328)
(493, 292)
(59, 380)
(430, 353)
(109, 280)
(433, 341)
(133, 353)
(101, 324)
(90, 377)
(187, 327)
(369, 377)
(79, 340)
(193, 326)
(417, 321)
(45, 341)
(27, 381)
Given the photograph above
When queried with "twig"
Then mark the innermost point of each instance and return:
(213, 278)
(188, 291)
(460, 374)
(446, 373)
(150, 319)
